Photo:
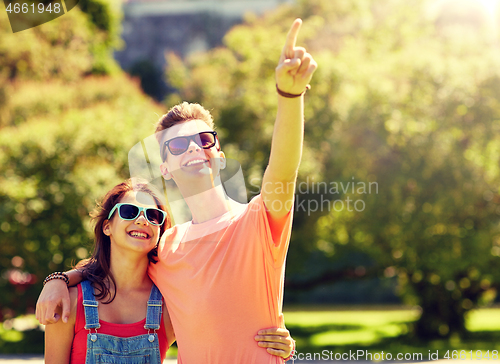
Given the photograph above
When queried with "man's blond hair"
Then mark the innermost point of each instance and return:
(184, 112)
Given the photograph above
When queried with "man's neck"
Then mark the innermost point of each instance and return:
(209, 204)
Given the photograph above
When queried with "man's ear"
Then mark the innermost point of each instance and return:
(164, 171)
(222, 160)
(105, 228)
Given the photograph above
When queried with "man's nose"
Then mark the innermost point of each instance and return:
(193, 146)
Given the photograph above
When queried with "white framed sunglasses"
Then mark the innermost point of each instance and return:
(129, 211)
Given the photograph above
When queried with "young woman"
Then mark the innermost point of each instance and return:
(117, 313)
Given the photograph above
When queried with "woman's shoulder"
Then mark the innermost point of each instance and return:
(73, 293)
(73, 305)
(73, 301)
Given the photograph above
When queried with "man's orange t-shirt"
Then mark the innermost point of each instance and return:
(222, 281)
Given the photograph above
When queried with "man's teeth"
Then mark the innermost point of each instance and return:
(195, 162)
(137, 234)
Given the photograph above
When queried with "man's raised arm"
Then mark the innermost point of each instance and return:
(293, 73)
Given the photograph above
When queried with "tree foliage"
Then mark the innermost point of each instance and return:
(65, 132)
(401, 100)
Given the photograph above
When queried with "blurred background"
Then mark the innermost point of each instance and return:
(396, 235)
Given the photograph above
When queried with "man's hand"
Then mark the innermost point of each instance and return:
(54, 294)
(296, 66)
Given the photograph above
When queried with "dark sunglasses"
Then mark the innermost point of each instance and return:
(129, 211)
(179, 145)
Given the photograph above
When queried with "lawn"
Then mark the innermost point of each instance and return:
(336, 330)
(387, 329)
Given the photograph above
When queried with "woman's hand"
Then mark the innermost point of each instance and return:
(277, 341)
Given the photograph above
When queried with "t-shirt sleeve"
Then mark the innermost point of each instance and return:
(277, 248)
(153, 272)
(155, 269)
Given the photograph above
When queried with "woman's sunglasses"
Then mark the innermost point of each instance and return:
(179, 145)
(128, 211)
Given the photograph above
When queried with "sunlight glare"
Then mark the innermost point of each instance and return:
(490, 6)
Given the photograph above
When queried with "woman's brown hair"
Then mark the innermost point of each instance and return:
(96, 269)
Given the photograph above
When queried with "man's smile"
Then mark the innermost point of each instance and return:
(195, 162)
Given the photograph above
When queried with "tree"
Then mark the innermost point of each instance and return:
(66, 125)
(409, 118)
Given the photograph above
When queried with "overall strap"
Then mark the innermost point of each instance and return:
(155, 304)
(90, 306)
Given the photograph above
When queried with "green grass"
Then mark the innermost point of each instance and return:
(335, 329)
(484, 320)
(22, 335)
(386, 329)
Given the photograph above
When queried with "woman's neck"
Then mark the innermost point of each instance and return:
(209, 204)
(129, 270)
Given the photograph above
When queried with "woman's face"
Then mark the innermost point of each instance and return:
(137, 235)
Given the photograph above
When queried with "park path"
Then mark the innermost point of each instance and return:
(38, 359)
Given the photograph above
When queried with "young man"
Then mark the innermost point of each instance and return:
(222, 273)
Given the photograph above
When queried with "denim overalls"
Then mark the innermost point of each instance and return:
(103, 348)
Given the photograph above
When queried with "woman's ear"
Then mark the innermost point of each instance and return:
(164, 171)
(105, 228)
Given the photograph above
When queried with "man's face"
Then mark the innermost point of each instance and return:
(195, 162)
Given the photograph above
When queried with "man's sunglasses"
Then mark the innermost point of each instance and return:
(179, 145)
(128, 211)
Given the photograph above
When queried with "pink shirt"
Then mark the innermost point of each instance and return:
(222, 281)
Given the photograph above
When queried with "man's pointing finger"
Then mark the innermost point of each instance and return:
(291, 38)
